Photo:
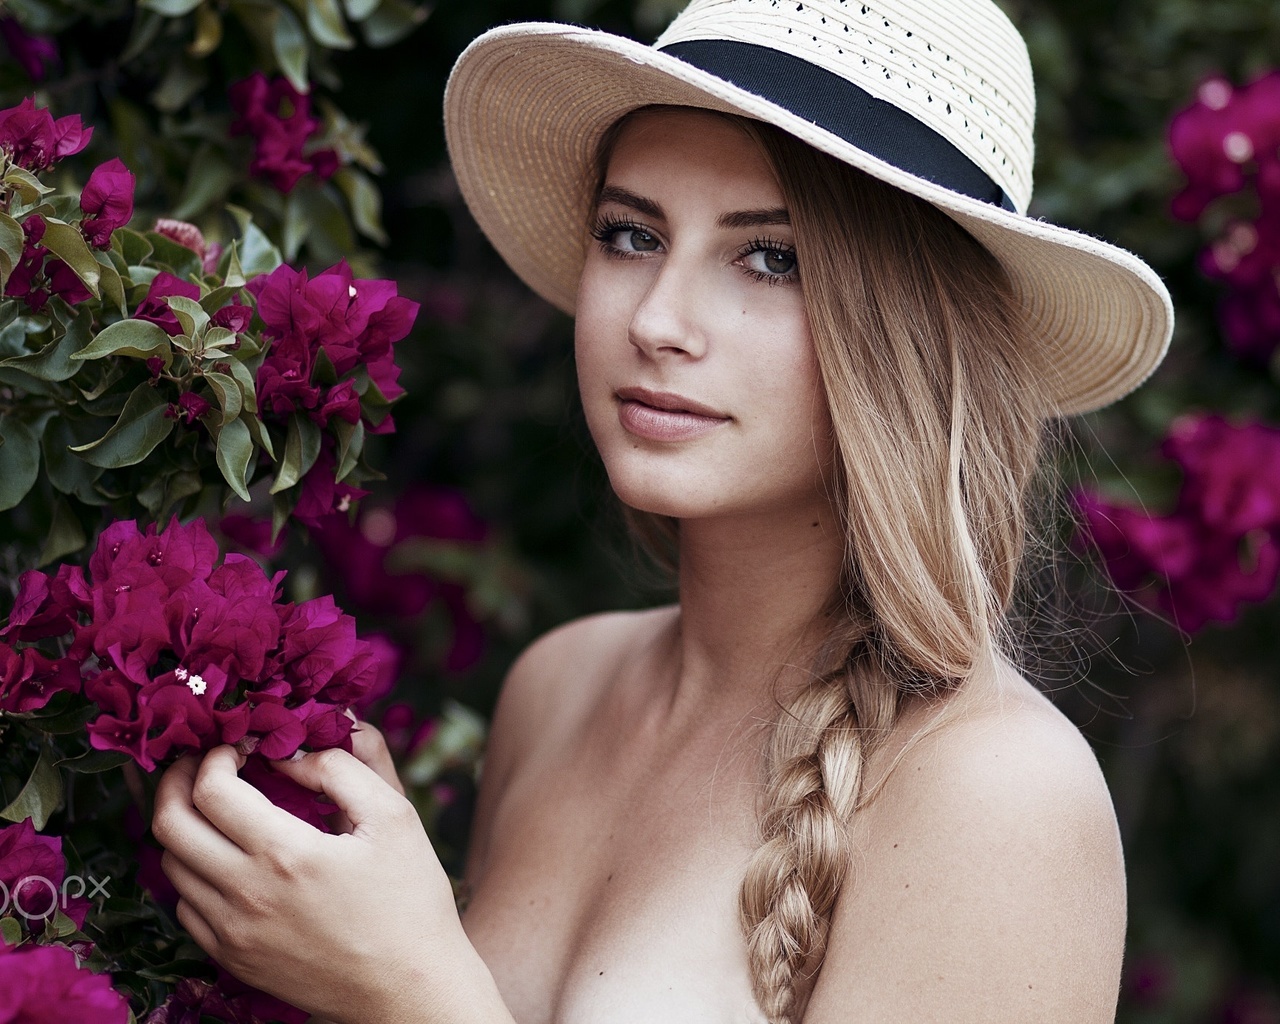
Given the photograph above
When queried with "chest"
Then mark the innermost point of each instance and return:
(609, 891)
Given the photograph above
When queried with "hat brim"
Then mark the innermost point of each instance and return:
(528, 104)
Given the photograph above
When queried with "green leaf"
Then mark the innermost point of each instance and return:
(183, 262)
(257, 254)
(10, 930)
(184, 78)
(190, 315)
(134, 247)
(358, 10)
(248, 389)
(232, 272)
(209, 179)
(392, 21)
(26, 184)
(138, 338)
(217, 298)
(56, 361)
(65, 537)
(227, 390)
(301, 449)
(350, 446)
(289, 46)
(68, 473)
(142, 425)
(171, 8)
(235, 449)
(40, 797)
(69, 245)
(297, 225)
(12, 240)
(19, 460)
(110, 282)
(95, 761)
(365, 201)
(324, 22)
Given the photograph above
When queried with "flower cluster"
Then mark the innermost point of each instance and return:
(45, 985)
(32, 139)
(37, 54)
(331, 345)
(278, 117)
(360, 555)
(181, 651)
(1220, 547)
(1228, 142)
(32, 871)
(41, 980)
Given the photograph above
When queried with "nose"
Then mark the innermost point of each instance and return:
(669, 321)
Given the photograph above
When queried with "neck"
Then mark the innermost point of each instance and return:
(750, 592)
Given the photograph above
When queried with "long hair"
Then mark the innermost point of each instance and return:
(937, 422)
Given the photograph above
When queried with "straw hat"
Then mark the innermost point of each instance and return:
(932, 96)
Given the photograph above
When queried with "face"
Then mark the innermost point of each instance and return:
(697, 373)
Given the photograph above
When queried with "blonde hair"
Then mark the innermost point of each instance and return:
(937, 426)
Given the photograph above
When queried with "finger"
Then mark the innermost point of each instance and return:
(243, 814)
(357, 789)
(198, 928)
(200, 894)
(370, 747)
(178, 825)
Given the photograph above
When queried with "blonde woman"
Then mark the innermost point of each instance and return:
(818, 339)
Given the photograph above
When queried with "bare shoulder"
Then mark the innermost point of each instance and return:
(988, 883)
(548, 692)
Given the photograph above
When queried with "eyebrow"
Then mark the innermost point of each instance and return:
(737, 219)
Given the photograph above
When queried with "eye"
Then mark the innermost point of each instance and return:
(770, 261)
(624, 238)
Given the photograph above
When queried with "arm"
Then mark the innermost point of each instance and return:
(989, 886)
(353, 927)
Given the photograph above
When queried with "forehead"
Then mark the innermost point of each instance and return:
(674, 147)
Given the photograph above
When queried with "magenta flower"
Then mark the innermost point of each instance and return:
(189, 408)
(353, 322)
(37, 54)
(191, 237)
(32, 870)
(1220, 548)
(28, 679)
(182, 652)
(44, 985)
(154, 308)
(107, 202)
(33, 139)
(278, 117)
(228, 1000)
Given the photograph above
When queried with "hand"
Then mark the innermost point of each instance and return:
(354, 927)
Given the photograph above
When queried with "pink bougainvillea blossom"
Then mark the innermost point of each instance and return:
(32, 139)
(278, 118)
(359, 554)
(154, 308)
(38, 276)
(191, 237)
(32, 870)
(1227, 142)
(182, 651)
(38, 54)
(44, 985)
(107, 202)
(225, 999)
(1220, 548)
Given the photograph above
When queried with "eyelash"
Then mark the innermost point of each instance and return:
(608, 225)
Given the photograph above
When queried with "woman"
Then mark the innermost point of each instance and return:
(817, 340)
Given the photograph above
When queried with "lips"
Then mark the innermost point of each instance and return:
(664, 416)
